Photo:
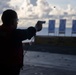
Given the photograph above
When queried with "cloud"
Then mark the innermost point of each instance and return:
(23, 7)
(42, 9)
(70, 10)
(27, 10)
(3, 5)
(38, 9)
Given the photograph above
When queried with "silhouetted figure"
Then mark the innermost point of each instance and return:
(11, 50)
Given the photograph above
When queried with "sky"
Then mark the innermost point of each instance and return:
(63, 3)
(30, 11)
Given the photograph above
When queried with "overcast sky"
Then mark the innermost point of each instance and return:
(29, 11)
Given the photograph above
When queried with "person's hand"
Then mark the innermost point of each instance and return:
(38, 25)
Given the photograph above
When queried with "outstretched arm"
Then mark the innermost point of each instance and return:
(31, 31)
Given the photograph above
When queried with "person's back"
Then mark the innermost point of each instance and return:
(8, 41)
(11, 51)
(10, 47)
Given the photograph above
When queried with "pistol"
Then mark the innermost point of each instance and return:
(42, 22)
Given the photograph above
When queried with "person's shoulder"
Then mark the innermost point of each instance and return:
(17, 29)
(1, 27)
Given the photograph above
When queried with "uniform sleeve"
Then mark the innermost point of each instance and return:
(28, 33)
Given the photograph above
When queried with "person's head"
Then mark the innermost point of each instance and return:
(9, 18)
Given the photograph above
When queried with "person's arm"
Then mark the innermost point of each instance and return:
(28, 33)
(31, 31)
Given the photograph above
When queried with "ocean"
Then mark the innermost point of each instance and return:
(44, 32)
